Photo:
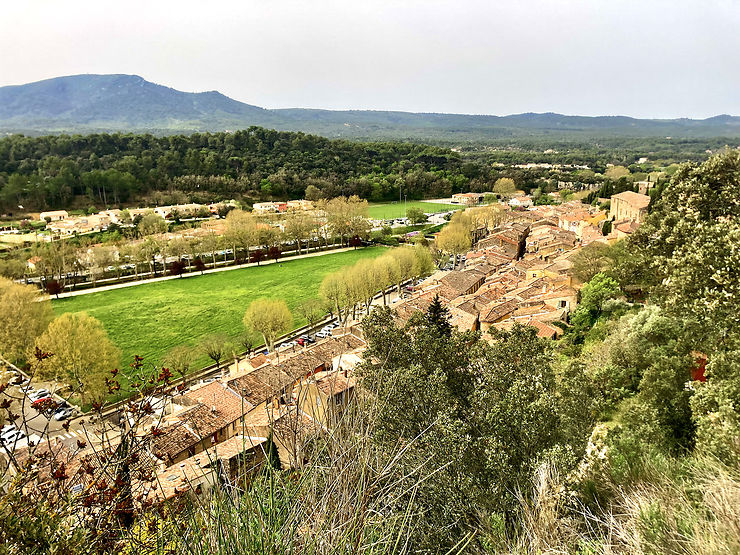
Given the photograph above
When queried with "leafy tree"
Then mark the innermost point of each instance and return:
(594, 258)
(180, 359)
(688, 248)
(24, 316)
(199, 265)
(151, 224)
(257, 256)
(617, 172)
(313, 193)
(177, 268)
(416, 215)
(454, 239)
(54, 287)
(83, 355)
(269, 317)
(504, 186)
(475, 418)
(274, 252)
(438, 317)
(312, 310)
(593, 297)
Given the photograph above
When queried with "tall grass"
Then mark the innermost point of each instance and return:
(346, 500)
(676, 507)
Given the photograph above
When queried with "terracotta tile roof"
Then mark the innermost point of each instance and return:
(540, 309)
(464, 321)
(332, 347)
(332, 383)
(184, 476)
(500, 311)
(301, 365)
(259, 360)
(462, 281)
(545, 330)
(627, 226)
(175, 439)
(261, 384)
(229, 405)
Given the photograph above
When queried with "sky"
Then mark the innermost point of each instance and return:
(641, 58)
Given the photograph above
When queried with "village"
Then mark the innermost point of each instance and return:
(265, 407)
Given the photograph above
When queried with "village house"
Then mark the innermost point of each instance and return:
(53, 215)
(468, 199)
(229, 462)
(521, 202)
(299, 205)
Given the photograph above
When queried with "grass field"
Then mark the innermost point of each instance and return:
(391, 210)
(148, 320)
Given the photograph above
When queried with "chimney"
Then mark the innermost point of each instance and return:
(213, 409)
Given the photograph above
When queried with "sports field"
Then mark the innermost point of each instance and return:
(148, 320)
(392, 210)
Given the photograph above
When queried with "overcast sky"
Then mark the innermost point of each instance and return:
(643, 58)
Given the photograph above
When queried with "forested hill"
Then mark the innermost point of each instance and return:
(90, 103)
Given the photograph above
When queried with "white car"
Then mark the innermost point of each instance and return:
(39, 394)
(63, 413)
(12, 436)
(7, 428)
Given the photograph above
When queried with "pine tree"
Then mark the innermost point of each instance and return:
(438, 316)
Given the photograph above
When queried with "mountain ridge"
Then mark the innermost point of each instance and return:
(121, 102)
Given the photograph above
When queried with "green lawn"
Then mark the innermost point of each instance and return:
(148, 320)
(390, 210)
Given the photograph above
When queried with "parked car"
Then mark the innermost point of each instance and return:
(301, 341)
(39, 394)
(323, 334)
(40, 401)
(12, 437)
(63, 413)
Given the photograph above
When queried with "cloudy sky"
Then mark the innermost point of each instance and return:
(643, 58)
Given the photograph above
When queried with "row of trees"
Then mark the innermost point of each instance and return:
(249, 238)
(357, 285)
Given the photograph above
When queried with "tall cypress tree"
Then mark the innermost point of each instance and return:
(438, 316)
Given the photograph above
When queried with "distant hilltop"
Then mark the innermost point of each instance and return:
(104, 103)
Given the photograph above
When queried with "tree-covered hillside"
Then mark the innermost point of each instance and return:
(128, 103)
(112, 169)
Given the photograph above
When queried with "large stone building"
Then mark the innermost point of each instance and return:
(629, 206)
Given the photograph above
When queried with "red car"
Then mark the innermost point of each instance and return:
(42, 402)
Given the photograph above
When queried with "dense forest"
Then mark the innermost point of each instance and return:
(114, 170)
(50, 171)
